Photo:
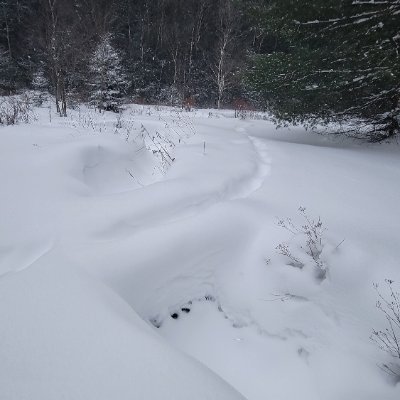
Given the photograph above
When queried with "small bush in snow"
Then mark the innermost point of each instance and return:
(15, 109)
(309, 237)
(160, 145)
(388, 338)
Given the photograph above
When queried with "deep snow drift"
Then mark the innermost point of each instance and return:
(130, 241)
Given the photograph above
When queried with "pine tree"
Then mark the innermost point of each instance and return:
(337, 61)
(40, 84)
(107, 77)
(40, 81)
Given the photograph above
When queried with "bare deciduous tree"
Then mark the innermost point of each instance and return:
(223, 65)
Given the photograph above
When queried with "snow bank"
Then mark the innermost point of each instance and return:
(113, 258)
(66, 336)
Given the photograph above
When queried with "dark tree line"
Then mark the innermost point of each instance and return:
(306, 61)
(170, 50)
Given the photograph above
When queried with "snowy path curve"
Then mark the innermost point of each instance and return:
(194, 227)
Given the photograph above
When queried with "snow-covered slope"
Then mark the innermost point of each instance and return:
(115, 260)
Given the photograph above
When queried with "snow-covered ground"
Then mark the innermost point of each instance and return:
(138, 259)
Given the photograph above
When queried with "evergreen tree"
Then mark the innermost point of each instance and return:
(40, 84)
(336, 61)
(107, 78)
(40, 81)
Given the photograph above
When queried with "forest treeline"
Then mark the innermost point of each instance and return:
(305, 61)
(169, 50)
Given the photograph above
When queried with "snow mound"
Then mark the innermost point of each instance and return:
(64, 335)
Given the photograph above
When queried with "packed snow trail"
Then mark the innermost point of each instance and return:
(92, 239)
(79, 214)
(191, 222)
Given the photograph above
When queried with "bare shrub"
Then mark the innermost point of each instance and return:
(310, 235)
(242, 108)
(160, 145)
(388, 338)
(188, 103)
(16, 109)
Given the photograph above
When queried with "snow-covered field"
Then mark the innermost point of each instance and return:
(138, 259)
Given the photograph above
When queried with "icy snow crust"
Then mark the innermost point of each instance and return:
(102, 242)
